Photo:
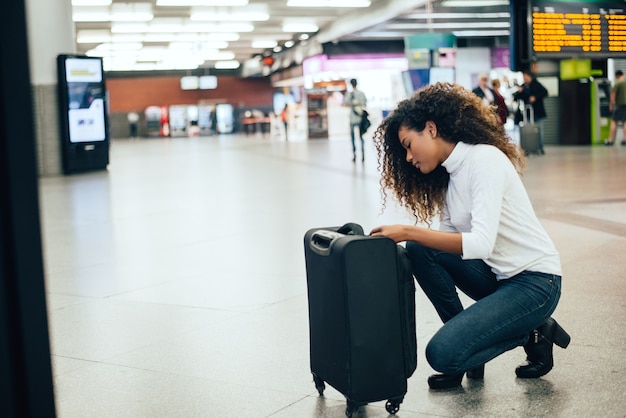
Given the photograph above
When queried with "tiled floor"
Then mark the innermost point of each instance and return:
(176, 282)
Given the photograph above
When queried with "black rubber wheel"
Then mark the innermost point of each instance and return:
(351, 408)
(392, 406)
(319, 384)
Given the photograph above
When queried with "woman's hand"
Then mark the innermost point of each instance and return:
(451, 242)
(398, 233)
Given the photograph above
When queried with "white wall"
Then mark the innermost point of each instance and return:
(471, 62)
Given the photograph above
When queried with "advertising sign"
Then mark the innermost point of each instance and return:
(83, 113)
(86, 98)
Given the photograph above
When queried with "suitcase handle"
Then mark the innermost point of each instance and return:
(530, 116)
(321, 241)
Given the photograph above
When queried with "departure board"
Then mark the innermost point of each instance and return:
(578, 29)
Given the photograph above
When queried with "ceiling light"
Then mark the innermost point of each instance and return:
(165, 25)
(300, 27)
(91, 2)
(474, 3)
(289, 44)
(447, 25)
(151, 53)
(227, 65)
(91, 14)
(264, 43)
(218, 56)
(328, 3)
(473, 33)
(182, 3)
(93, 36)
(131, 12)
(252, 13)
(498, 15)
(385, 34)
(127, 37)
(122, 46)
(220, 36)
(159, 37)
(218, 27)
(129, 27)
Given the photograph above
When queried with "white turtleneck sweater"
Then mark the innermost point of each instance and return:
(487, 203)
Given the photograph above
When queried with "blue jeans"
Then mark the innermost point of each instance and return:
(504, 314)
(541, 123)
(352, 127)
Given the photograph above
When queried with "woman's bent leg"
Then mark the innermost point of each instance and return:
(439, 274)
(494, 324)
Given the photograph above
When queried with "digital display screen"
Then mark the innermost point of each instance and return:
(85, 99)
(587, 29)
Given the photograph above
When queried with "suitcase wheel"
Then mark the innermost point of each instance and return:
(319, 384)
(351, 408)
(392, 406)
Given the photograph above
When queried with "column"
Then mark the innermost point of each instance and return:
(50, 33)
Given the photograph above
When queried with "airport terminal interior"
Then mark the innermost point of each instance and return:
(175, 279)
(176, 283)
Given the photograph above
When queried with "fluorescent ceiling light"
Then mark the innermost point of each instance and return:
(127, 37)
(474, 3)
(218, 56)
(183, 3)
(499, 15)
(118, 12)
(131, 12)
(151, 53)
(473, 33)
(251, 13)
(122, 46)
(227, 65)
(218, 27)
(385, 34)
(449, 25)
(91, 14)
(299, 27)
(328, 3)
(93, 36)
(187, 46)
(264, 43)
(129, 27)
(159, 37)
(91, 2)
(197, 44)
(222, 38)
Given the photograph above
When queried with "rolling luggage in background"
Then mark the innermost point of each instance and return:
(529, 132)
(361, 315)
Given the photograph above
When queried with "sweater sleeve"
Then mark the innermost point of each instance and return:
(487, 180)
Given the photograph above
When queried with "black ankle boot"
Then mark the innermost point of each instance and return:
(448, 381)
(539, 349)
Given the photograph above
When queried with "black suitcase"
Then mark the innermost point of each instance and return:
(361, 297)
(529, 132)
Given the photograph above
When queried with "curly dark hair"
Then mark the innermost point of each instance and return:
(460, 116)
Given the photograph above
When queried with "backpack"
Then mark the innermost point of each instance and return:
(365, 122)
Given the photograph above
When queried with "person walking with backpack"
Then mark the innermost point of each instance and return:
(357, 101)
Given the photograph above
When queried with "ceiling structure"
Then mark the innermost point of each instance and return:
(187, 34)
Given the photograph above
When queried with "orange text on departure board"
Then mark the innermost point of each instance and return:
(579, 32)
(561, 32)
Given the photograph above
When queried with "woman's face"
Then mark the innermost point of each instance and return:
(422, 150)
